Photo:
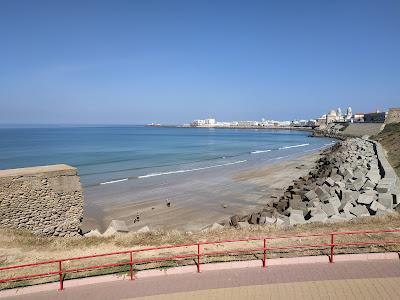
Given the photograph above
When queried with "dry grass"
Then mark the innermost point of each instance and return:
(19, 247)
(389, 137)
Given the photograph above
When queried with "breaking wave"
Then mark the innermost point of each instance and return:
(259, 151)
(295, 146)
(190, 170)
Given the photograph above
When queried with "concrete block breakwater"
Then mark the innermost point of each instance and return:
(352, 179)
(45, 200)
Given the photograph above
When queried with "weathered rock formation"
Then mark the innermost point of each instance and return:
(351, 179)
(45, 200)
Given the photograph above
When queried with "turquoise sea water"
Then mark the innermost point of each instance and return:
(105, 154)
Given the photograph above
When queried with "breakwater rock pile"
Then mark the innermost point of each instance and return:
(350, 180)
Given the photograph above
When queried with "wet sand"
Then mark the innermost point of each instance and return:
(196, 200)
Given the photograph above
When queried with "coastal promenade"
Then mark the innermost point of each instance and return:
(369, 276)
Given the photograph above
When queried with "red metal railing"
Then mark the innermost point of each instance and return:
(198, 254)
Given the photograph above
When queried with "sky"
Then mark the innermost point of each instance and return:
(135, 62)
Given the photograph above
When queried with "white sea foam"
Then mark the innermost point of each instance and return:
(295, 146)
(191, 170)
(259, 151)
(114, 181)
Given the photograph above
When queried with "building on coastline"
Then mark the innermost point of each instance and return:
(321, 120)
(349, 114)
(375, 117)
(358, 117)
(331, 117)
(197, 123)
(335, 116)
(210, 121)
(249, 124)
(303, 123)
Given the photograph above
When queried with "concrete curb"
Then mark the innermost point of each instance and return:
(204, 267)
(388, 170)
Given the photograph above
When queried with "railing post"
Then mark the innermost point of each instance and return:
(265, 254)
(61, 275)
(131, 266)
(332, 246)
(198, 257)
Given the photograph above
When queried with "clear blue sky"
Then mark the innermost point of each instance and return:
(174, 61)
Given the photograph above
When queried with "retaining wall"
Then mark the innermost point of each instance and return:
(45, 200)
(361, 129)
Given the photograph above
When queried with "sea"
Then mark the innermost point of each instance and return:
(127, 171)
(106, 155)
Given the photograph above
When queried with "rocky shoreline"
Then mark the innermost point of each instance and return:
(352, 179)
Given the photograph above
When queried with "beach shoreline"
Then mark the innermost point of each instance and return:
(197, 204)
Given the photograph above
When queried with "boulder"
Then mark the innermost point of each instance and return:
(271, 220)
(109, 232)
(385, 185)
(329, 181)
(365, 199)
(335, 201)
(347, 173)
(322, 194)
(358, 183)
(375, 205)
(386, 200)
(93, 233)
(147, 229)
(243, 225)
(359, 211)
(374, 176)
(340, 184)
(214, 226)
(119, 226)
(349, 196)
(235, 220)
(261, 220)
(311, 195)
(116, 226)
(330, 209)
(368, 185)
(254, 218)
(318, 215)
(296, 217)
(296, 197)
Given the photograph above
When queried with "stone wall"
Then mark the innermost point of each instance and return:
(362, 129)
(393, 116)
(45, 200)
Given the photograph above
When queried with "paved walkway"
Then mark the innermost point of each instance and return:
(351, 280)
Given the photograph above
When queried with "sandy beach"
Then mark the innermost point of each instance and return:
(196, 200)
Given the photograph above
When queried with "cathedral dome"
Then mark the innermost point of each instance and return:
(332, 113)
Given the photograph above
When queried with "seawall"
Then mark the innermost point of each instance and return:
(45, 200)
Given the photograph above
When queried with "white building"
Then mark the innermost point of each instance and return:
(196, 123)
(209, 121)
